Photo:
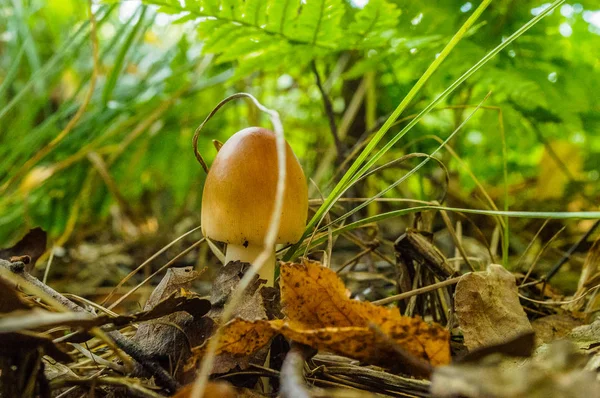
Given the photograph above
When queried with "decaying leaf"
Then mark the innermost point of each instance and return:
(321, 314)
(178, 301)
(179, 327)
(214, 389)
(520, 346)
(557, 371)
(10, 299)
(315, 297)
(586, 336)
(28, 249)
(590, 277)
(242, 338)
(488, 309)
(554, 327)
(253, 307)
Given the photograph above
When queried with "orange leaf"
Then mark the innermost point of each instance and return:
(321, 315)
(242, 338)
(314, 297)
(214, 389)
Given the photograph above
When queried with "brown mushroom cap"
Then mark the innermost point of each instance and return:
(239, 192)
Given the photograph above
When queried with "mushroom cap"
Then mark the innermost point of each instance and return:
(239, 192)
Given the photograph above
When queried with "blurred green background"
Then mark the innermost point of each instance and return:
(126, 169)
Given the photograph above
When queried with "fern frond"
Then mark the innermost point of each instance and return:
(283, 31)
(373, 24)
(319, 21)
(281, 15)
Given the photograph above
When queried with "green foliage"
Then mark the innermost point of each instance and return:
(274, 34)
(160, 77)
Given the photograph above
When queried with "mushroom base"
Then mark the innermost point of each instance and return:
(249, 255)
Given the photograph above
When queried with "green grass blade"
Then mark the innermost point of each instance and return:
(457, 83)
(588, 215)
(111, 82)
(28, 42)
(347, 178)
(48, 67)
(414, 169)
(12, 72)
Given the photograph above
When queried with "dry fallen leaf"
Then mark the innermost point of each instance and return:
(29, 248)
(314, 297)
(321, 314)
(251, 307)
(553, 327)
(587, 336)
(10, 299)
(488, 309)
(179, 326)
(214, 389)
(556, 371)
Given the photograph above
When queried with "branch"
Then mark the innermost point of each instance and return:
(328, 111)
(128, 346)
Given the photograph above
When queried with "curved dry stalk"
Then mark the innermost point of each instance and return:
(270, 239)
(415, 292)
(141, 266)
(161, 269)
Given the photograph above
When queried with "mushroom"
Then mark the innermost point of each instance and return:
(239, 195)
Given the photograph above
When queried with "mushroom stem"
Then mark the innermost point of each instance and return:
(249, 255)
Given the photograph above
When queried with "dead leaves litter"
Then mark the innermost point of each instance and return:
(320, 313)
(314, 297)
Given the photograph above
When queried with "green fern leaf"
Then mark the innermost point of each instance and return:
(319, 22)
(281, 15)
(255, 12)
(373, 25)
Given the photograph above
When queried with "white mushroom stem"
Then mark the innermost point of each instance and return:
(248, 255)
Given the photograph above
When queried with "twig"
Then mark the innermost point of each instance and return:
(328, 111)
(414, 292)
(569, 252)
(161, 269)
(155, 255)
(292, 372)
(134, 387)
(128, 346)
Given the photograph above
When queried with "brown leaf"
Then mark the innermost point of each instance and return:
(555, 371)
(554, 327)
(488, 309)
(179, 325)
(586, 336)
(314, 297)
(251, 308)
(10, 299)
(590, 275)
(366, 344)
(174, 280)
(321, 315)
(33, 244)
(521, 346)
(242, 338)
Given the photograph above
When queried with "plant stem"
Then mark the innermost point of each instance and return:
(249, 255)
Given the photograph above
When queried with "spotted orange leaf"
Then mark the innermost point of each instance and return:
(315, 297)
